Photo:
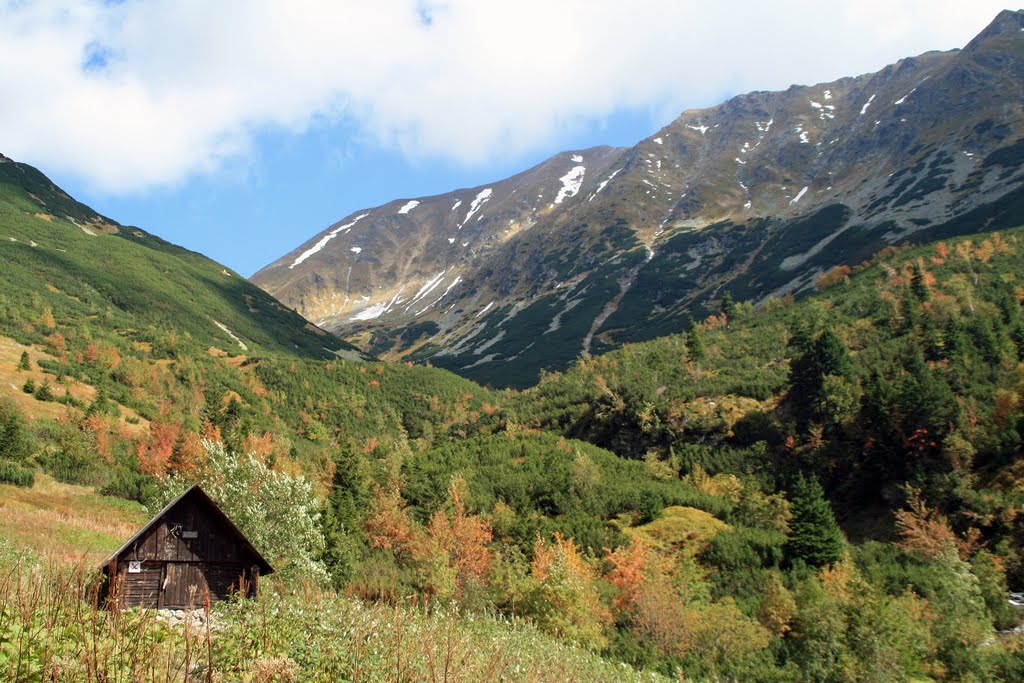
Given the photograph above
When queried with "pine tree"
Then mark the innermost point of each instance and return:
(100, 404)
(815, 536)
(342, 521)
(878, 420)
(813, 361)
(728, 304)
(918, 287)
(695, 349)
(24, 363)
(16, 442)
(43, 392)
(925, 401)
(954, 341)
(832, 358)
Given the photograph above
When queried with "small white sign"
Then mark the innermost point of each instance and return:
(134, 567)
(190, 534)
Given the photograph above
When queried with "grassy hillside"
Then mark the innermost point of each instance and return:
(66, 522)
(61, 255)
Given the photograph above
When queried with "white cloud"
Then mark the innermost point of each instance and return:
(187, 84)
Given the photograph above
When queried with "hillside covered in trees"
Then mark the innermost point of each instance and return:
(825, 489)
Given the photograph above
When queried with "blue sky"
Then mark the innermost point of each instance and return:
(292, 186)
(241, 128)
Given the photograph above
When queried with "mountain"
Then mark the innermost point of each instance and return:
(61, 256)
(758, 196)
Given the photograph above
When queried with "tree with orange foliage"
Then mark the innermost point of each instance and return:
(99, 427)
(985, 251)
(259, 447)
(778, 608)
(92, 353)
(462, 537)
(834, 277)
(111, 358)
(189, 454)
(155, 453)
(563, 598)
(56, 342)
(927, 532)
(388, 525)
(629, 565)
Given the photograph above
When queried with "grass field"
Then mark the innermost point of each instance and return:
(65, 522)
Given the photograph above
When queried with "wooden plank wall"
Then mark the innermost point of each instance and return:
(142, 589)
(166, 540)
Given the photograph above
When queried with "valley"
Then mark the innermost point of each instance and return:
(742, 402)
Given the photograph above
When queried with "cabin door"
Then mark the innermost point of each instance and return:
(185, 585)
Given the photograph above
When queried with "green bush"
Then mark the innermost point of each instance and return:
(18, 476)
(68, 455)
(16, 442)
(132, 486)
(43, 392)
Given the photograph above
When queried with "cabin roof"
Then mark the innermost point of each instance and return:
(197, 492)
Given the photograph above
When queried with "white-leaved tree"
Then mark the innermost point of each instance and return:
(276, 511)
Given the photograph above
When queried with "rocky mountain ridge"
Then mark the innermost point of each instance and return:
(758, 196)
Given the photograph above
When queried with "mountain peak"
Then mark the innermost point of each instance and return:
(1007, 22)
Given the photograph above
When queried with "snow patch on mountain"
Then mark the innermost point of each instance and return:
(571, 183)
(375, 311)
(482, 197)
(327, 238)
(426, 308)
(556, 322)
(904, 98)
(427, 288)
(408, 206)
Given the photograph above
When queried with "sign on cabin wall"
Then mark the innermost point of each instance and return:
(134, 567)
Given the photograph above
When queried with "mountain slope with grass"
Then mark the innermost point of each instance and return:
(64, 256)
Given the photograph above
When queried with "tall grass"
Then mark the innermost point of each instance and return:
(55, 626)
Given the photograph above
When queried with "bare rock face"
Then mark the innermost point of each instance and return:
(757, 196)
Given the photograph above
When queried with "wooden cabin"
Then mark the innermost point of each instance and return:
(190, 543)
